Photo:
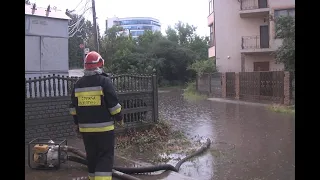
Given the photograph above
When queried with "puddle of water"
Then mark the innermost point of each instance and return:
(249, 142)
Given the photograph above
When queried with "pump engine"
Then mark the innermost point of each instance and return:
(47, 155)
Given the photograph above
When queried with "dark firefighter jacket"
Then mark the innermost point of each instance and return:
(95, 104)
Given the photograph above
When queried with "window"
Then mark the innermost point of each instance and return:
(211, 4)
(116, 23)
(212, 40)
(140, 21)
(137, 33)
(283, 13)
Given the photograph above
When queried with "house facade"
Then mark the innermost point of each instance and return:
(244, 33)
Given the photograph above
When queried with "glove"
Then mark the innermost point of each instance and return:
(76, 129)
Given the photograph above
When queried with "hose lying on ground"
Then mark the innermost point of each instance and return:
(136, 170)
(82, 160)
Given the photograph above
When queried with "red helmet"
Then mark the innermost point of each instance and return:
(93, 60)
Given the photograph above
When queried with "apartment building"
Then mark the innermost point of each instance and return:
(136, 26)
(211, 50)
(244, 33)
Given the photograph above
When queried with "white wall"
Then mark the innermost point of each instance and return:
(229, 28)
(46, 26)
(46, 46)
(32, 53)
(273, 66)
(54, 54)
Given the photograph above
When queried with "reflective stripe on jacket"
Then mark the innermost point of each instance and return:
(94, 102)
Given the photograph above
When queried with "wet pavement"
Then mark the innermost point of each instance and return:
(248, 142)
(76, 171)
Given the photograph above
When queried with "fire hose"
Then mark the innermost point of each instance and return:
(123, 173)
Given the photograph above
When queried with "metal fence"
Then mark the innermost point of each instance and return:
(230, 84)
(262, 86)
(250, 42)
(253, 4)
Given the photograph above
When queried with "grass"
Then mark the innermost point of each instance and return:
(282, 109)
(149, 144)
(171, 87)
(190, 93)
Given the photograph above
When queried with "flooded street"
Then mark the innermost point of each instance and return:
(249, 142)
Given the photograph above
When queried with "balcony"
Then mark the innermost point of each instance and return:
(210, 19)
(254, 8)
(255, 44)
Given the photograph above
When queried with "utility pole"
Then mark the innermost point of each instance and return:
(95, 33)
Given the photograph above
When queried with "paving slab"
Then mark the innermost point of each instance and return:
(75, 171)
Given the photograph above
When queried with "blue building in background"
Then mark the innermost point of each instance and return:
(134, 25)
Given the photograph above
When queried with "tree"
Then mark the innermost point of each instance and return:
(204, 66)
(285, 30)
(176, 57)
(184, 35)
(82, 35)
(186, 32)
(200, 46)
(172, 35)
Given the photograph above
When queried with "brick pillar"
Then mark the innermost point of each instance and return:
(224, 85)
(237, 85)
(243, 63)
(286, 88)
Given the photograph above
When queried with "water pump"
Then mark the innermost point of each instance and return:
(46, 154)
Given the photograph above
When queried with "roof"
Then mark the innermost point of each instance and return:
(41, 12)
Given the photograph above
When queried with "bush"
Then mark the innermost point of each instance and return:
(191, 94)
(204, 66)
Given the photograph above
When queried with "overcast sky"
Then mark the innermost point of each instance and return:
(169, 12)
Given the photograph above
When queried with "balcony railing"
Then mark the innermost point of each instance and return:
(211, 42)
(253, 4)
(250, 42)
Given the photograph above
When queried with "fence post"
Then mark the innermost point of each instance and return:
(155, 98)
(237, 85)
(286, 88)
(210, 89)
(223, 85)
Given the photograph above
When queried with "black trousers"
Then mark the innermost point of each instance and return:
(99, 147)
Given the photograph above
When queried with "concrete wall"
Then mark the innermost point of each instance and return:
(211, 51)
(48, 118)
(250, 59)
(210, 19)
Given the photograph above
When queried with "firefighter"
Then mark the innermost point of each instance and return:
(95, 107)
